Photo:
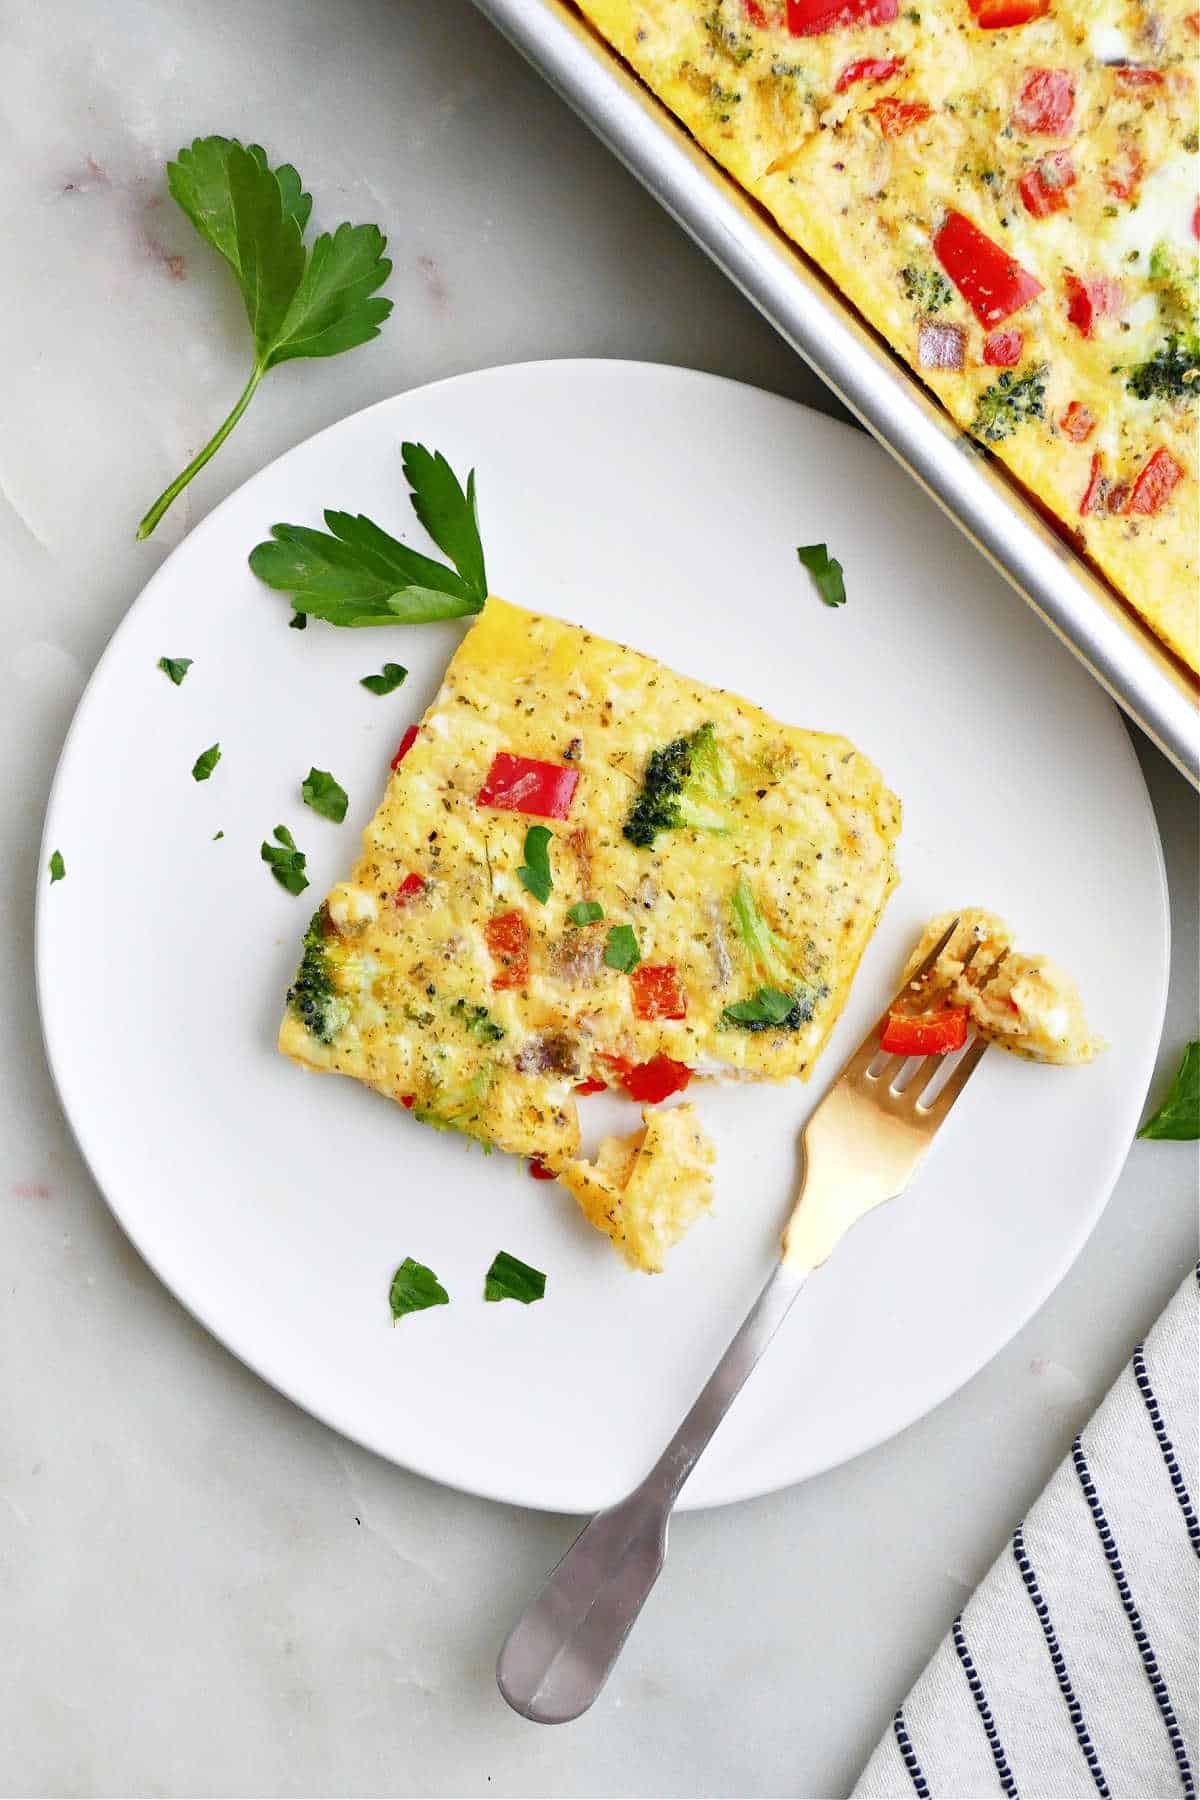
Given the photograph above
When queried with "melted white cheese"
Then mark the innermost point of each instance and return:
(1163, 214)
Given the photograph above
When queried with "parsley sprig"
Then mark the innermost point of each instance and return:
(299, 301)
(355, 573)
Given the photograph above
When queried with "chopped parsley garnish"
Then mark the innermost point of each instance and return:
(1172, 373)
(771, 1008)
(58, 867)
(312, 996)
(392, 676)
(355, 573)
(325, 795)
(511, 1279)
(826, 572)
(216, 835)
(206, 762)
(299, 302)
(927, 288)
(1179, 1115)
(1010, 402)
(414, 1289)
(286, 862)
(175, 667)
(478, 1021)
(585, 912)
(534, 873)
(621, 949)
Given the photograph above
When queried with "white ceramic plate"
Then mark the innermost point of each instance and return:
(661, 507)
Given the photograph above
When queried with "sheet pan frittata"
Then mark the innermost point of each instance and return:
(1008, 191)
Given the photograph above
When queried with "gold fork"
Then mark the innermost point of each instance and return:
(862, 1146)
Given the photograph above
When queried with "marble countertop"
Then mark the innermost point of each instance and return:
(205, 1591)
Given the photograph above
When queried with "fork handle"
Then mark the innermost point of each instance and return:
(562, 1649)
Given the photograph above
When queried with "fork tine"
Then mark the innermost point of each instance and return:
(868, 1050)
(937, 1109)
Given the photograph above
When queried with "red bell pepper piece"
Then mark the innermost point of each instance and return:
(408, 1101)
(989, 280)
(1196, 222)
(1078, 423)
(810, 18)
(1045, 102)
(1093, 492)
(409, 888)
(658, 992)
(868, 68)
(652, 1081)
(1139, 78)
(406, 744)
(1091, 298)
(507, 937)
(898, 116)
(755, 13)
(1046, 188)
(1125, 173)
(591, 1086)
(1154, 486)
(1000, 15)
(925, 1034)
(1004, 349)
(526, 785)
(539, 1171)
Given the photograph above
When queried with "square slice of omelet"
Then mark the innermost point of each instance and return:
(587, 870)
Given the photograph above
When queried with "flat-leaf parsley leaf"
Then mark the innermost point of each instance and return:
(621, 949)
(511, 1279)
(206, 762)
(286, 862)
(1179, 1115)
(585, 912)
(769, 1006)
(299, 302)
(175, 667)
(58, 867)
(415, 1288)
(826, 572)
(534, 874)
(325, 795)
(392, 676)
(357, 574)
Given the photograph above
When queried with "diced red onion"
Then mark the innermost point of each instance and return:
(940, 346)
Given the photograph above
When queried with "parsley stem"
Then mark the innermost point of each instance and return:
(171, 494)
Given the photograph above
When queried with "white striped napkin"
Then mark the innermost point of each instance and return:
(1073, 1668)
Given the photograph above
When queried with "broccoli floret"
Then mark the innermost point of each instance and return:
(690, 783)
(1010, 402)
(927, 288)
(766, 950)
(785, 1000)
(737, 46)
(457, 1108)
(1177, 287)
(478, 1021)
(312, 996)
(1172, 373)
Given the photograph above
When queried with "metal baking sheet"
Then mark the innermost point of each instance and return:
(998, 517)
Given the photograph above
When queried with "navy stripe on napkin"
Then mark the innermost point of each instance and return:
(1158, 1686)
